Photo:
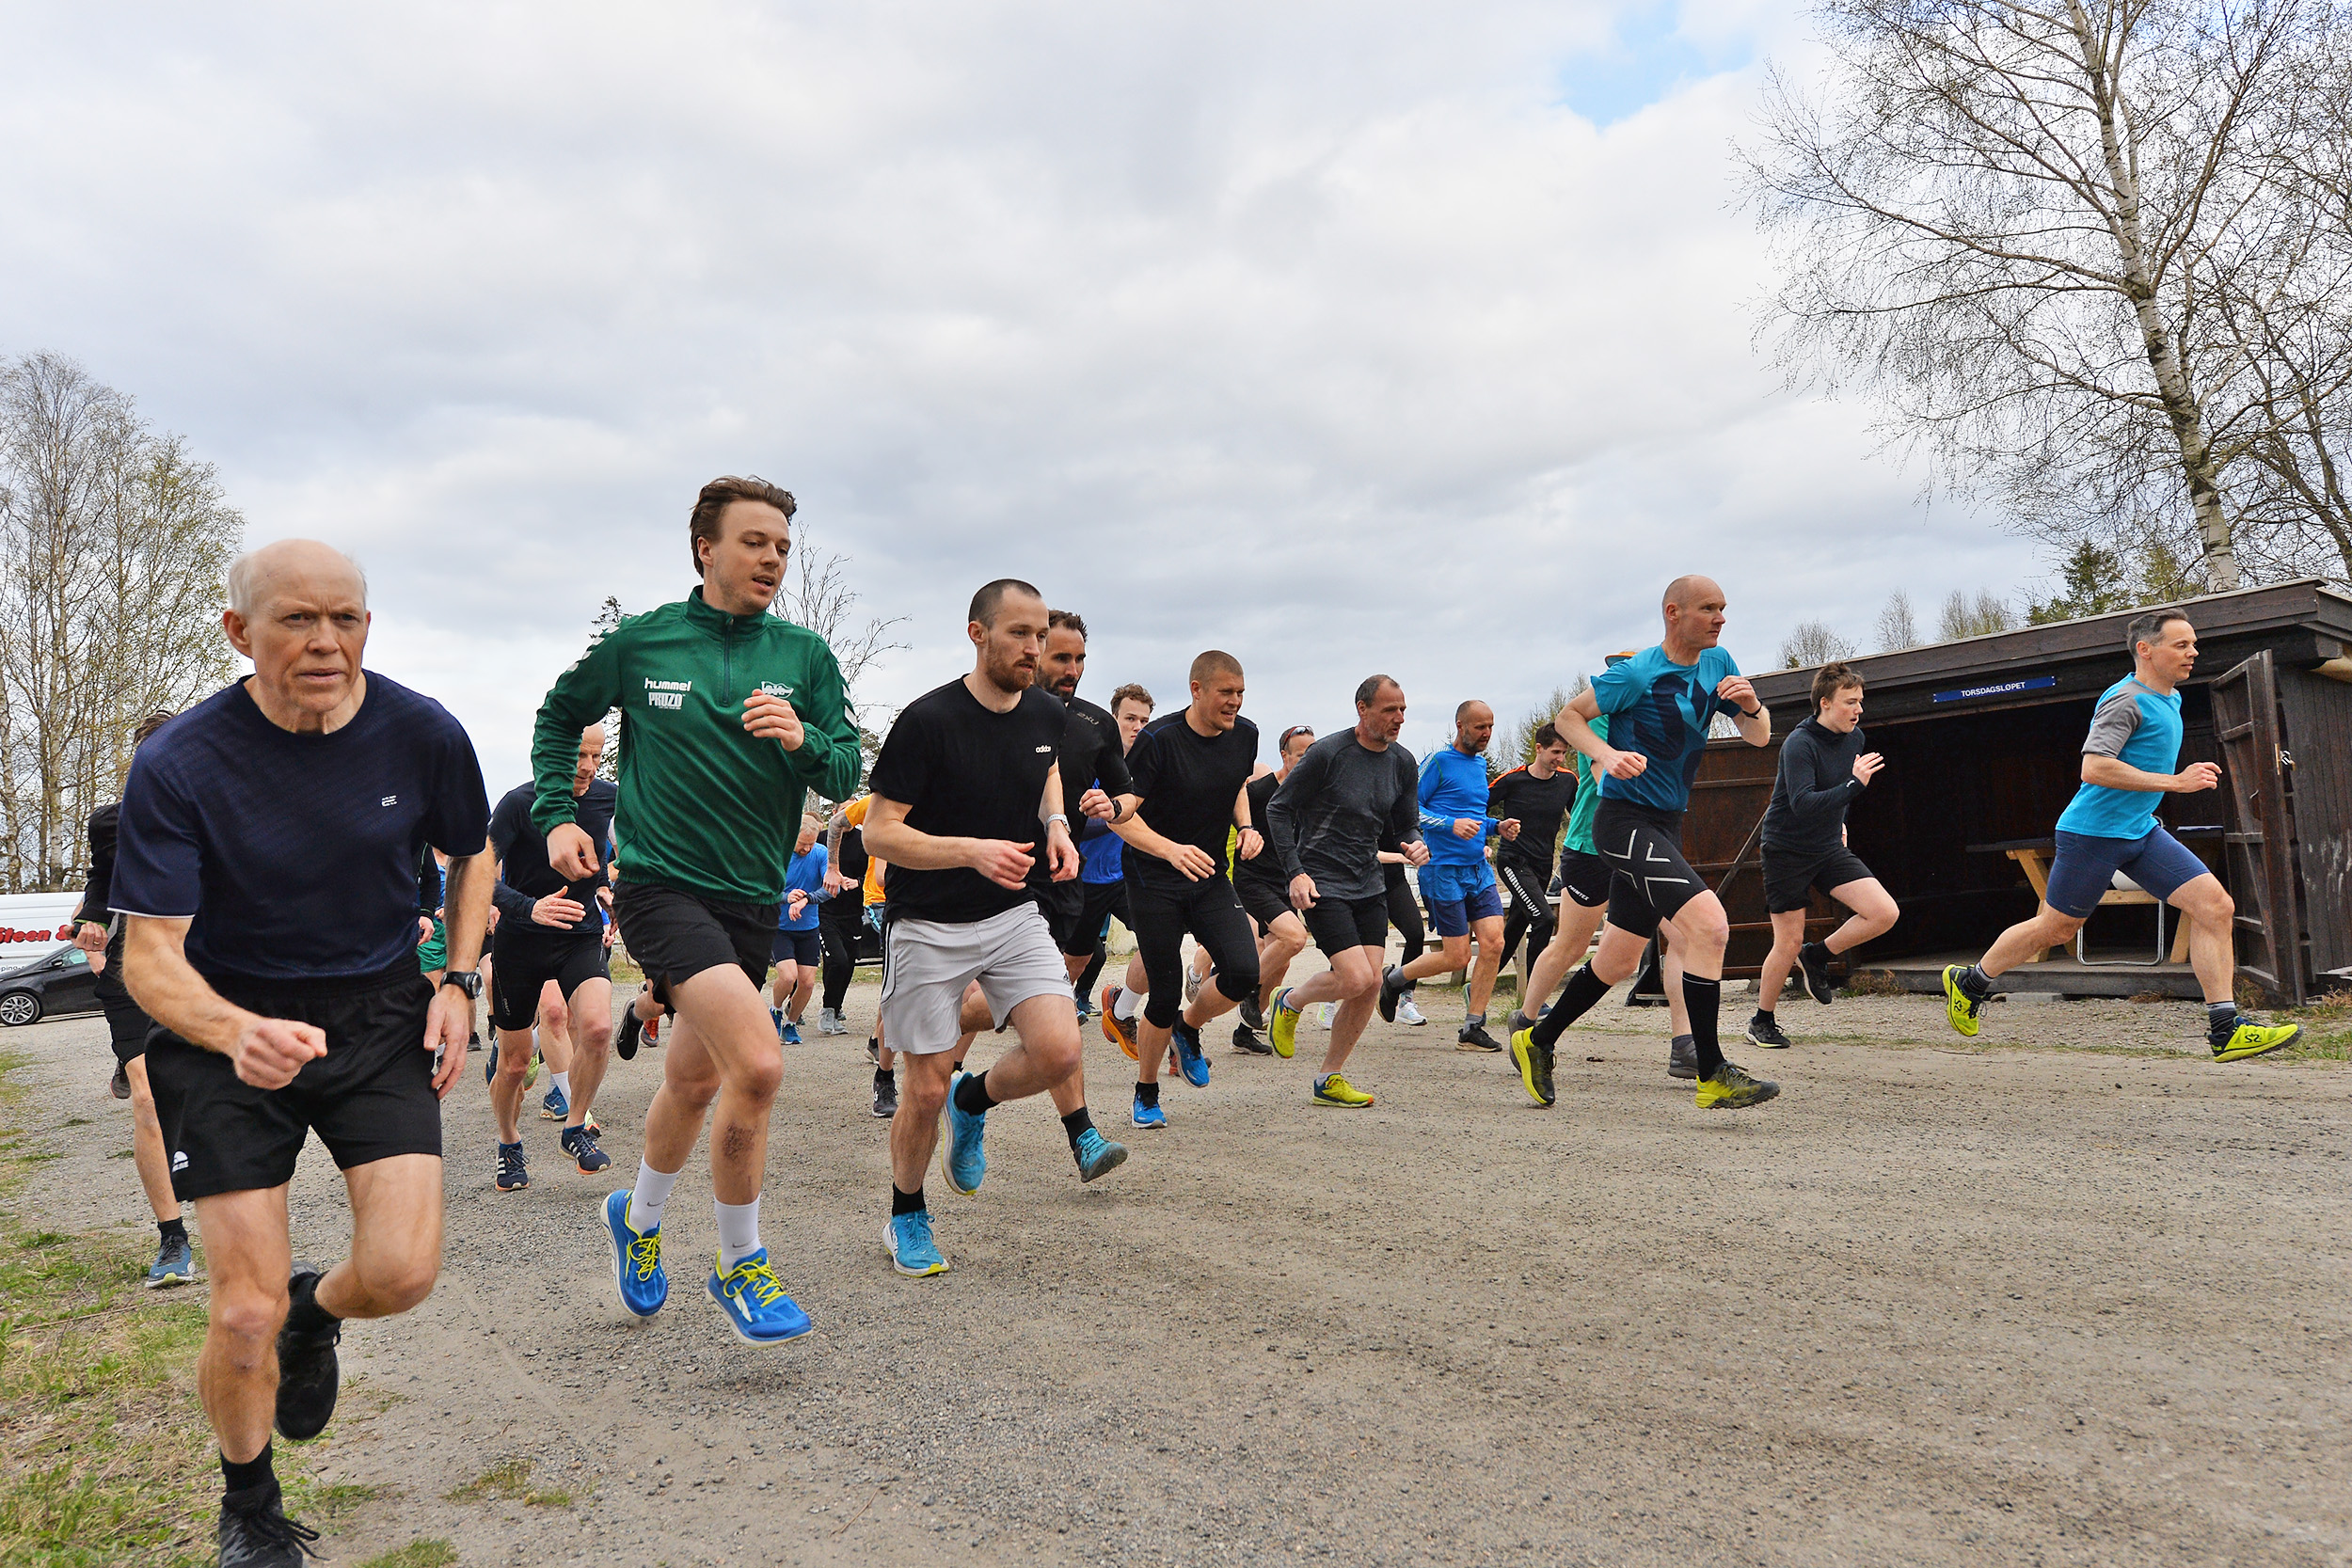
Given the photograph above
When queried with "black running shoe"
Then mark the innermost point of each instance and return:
(120, 1083)
(581, 1144)
(885, 1096)
(1682, 1058)
(262, 1536)
(1764, 1030)
(1252, 1016)
(1474, 1037)
(309, 1376)
(633, 1030)
(873, 1050)
(1392, 992)
(1813, 963)
(1245, 1040)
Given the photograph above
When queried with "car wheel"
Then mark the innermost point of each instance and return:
(18, 1008)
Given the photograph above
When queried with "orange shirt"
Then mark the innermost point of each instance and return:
(854, 813)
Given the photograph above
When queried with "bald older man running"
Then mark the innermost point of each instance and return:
(1464, 898)
(1659, 703)
(266, 870)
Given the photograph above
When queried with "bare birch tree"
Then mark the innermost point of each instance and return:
(1811, 643)
(2019, 226)
(114, 552)
(1896, 630)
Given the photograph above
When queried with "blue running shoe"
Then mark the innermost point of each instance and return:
(636, 1258)
(511, 1174)
(554, 1107)
(1191, 1060)
(1097, 1155)
(175, 1264)
(1147, 1116)
(754, 1303)
(912, 1250)
(775, 1016)
(791, 1034)
(490, 1061)
(961, 1160)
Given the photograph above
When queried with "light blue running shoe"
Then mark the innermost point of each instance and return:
(1150, 1117)
(791, 1034)
(554, 1107)
(961, 1160)
(1189, 1057)
(775, 1016)
(754, 1304)
(636, 1258)
(1097, 1155)
(175, 1263)
(912, 1250)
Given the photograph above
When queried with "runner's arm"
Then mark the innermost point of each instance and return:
(267, 1052)
(830, 759)
(890, 840)
(1283, 811)
(1800, 765)
(581, 696)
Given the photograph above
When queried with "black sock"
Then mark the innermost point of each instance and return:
(1763, 1015)
(172, 1230)
(1976, 983)
(1077, 1125)
(972, 1095)
(304, 1315)
(2220, 1021)
(1577, 998)
(1146, 1093)
(1705, 998)
(906, 1203)
(883, 1075)
(252, 1483)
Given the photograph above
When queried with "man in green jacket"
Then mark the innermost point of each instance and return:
(728, 714)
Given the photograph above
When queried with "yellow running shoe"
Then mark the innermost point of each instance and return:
(1732, 1089)
(1534, 1064)
(1281, 1025)
(1962, 1009)
(1332, 1089)
(2255, 1040)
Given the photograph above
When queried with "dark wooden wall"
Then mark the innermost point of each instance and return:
(2318, 716)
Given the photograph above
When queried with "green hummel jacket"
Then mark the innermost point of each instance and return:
(705, 807)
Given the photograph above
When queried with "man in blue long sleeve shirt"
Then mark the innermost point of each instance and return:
(1458, 884)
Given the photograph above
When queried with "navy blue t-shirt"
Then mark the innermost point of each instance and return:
(293, 857)
(524, 874)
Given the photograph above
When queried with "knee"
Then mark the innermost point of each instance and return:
(513, 1063)
(248, 1318)
(761, 1078)
(1238, 981)
(595, 1034)
(1057, 1054)
(925, 1092)
(1355, 984)
(1707, 929)
(395, 1285)
(2215, 909)
(695, 1091)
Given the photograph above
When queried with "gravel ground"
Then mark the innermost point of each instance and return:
(1940, 1304)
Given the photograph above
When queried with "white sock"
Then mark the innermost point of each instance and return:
(562, 1083)
(739, 1232)
(1128, 1005)
(649, 1197)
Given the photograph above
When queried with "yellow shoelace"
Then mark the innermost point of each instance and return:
(757, 1279)
(645, 1252)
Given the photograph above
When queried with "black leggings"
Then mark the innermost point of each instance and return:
(1210, 912)
(1528, 912)
(1404, 913)
(838, 934)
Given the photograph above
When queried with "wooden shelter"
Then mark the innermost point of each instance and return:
(1982, 740)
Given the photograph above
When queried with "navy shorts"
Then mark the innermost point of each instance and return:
(805, 949)
(1460, 896)
(2084, 869)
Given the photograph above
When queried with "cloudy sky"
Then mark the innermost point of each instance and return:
(1345, 337)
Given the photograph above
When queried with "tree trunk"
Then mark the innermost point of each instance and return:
(2164, 358)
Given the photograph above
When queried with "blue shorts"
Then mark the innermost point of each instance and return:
(1457, 896)
(2085, 868)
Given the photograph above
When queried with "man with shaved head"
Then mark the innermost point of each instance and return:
(1464, 899)
(266, 871)
(1660, 704)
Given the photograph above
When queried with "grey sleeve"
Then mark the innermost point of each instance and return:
(2114, 725)
(1405, 815)
(1282, 813)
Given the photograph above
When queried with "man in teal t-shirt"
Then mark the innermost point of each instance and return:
(2108, 836)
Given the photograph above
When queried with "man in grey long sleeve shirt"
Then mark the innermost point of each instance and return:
(1326, 823)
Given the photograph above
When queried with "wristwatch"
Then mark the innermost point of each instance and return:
(1058, 817)
(466, 980)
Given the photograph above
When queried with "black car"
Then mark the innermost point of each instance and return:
(57, 983)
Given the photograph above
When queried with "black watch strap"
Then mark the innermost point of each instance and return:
(466, 980)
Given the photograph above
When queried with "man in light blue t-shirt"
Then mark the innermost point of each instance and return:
(2130, 759)
(1458, 883)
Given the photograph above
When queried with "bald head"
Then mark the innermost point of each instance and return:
(1693, 612)
(1689, 591)
(292, 564)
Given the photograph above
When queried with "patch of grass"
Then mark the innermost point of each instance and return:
(74, 1121)
(417, 1554)
(1873, 982)
(508, 1478)
(316, 1504)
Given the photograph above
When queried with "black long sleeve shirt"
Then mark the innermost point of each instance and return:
(1815, 789)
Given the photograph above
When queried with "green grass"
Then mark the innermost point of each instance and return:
(508, 1481)
(417, 1554)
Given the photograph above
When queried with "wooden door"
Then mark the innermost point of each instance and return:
(2259, 835)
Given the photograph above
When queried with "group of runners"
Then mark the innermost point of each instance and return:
(259, 911)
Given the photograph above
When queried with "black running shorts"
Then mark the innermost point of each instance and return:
(526, 964)
(1584, 879)
(1064, 907)
(1650, 882)
(1263, 901)
(674, 935)
(1341, 925)
(127, 1026)
(370, 1097)
(1788, 879)
(1164, 911)
(1105, 900)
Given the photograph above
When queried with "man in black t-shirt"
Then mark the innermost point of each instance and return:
(550, 929)
(1538, 796)
(266, 870)
(966, 801)
(1190, 768)
(1265, 895)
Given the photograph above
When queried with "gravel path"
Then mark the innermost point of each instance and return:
(1938, 1304)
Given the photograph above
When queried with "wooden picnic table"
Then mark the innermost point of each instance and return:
(2033, 855)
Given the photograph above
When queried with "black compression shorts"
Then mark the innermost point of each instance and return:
(674, 935)
(1209, 911)
(1584, 879)
(1650, 882)
(1789, 880)
(1263, 901)
(1105, 900)
(370, 1097)
(1064, 907)
(1340, 925)
(525, 967)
